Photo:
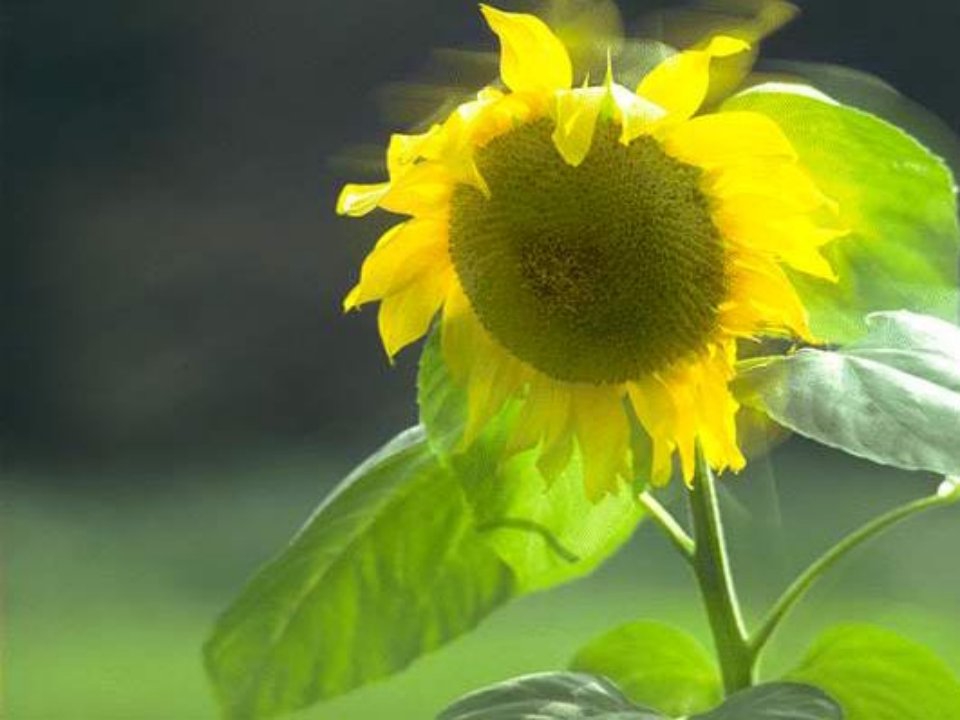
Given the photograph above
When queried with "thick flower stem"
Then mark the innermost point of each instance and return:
(711, 565)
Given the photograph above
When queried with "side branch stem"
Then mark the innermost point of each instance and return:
(949, 493)
(669, 525)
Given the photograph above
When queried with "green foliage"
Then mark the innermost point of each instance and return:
(893, 397)
(896, 199)
(388, 568)
(655, 665)
(776, 701)
(578, 696)
(548, 696)
(547, 532)
(878, 675)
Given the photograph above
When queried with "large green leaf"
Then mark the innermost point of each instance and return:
(548, 533)
(893, 397)
(896, 198)
(776, 701)
(548, 696)
(878, 675)
(655, 665)
(579, 696)
(871, 94)
(388, 568)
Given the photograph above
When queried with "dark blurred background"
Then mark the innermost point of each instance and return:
(180, 385)
(174, 267)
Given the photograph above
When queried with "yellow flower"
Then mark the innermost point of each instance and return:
(595, 253)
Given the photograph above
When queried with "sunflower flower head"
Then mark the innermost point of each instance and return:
(595, 252)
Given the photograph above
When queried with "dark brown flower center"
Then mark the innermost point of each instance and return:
(599, 273)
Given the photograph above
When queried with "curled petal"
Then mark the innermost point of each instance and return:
(576, 113)
(637, 115)
(357, 200)
(680, 83)
(404, 150)
(532, 58)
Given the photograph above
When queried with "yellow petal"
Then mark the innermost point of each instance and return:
(532, 58)
(637, 115)
(718, 408)
(461, 337)
(404, 150)
(421, 190)
(492, 384)
(544, 416)
(679, 84)
(681, 387)
(720, 138)
(555, 457)
(763, 298)
(654, 409)
(603, 434)
(405, 316)
(489, 375)
(576, 113)
(772, 177)
(404, 253)
(765, 224)
(358, 200)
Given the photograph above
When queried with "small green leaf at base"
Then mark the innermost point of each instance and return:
(893, 397)
(388, 568)
(877, 675)
(548, 696)
(776, 701)
(655, 665)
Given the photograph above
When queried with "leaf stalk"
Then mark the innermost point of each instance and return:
(947, 494)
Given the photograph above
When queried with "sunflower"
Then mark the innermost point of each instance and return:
(595, 253)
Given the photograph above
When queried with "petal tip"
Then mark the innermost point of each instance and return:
(725, 45)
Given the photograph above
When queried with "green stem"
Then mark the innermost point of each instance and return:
(711, 565)
(948, 493)
(669, 525)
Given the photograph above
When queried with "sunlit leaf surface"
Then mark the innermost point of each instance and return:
(877, 675)
(896, 199)
(893, 397)
(548, 696)
(548, 533)
(655, 665)
(578, 696)
(389, 567)
(776, 701)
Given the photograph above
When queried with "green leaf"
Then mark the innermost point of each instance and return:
(443, 404)
(655, 665)
(548, 696)
(777, 701)
(872, 94)
(877, 675)
(388, 568)
(893, 397)
(896, 198)
(548, 533)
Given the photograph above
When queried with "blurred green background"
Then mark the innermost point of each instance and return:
(180, 387)
(112, 586)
